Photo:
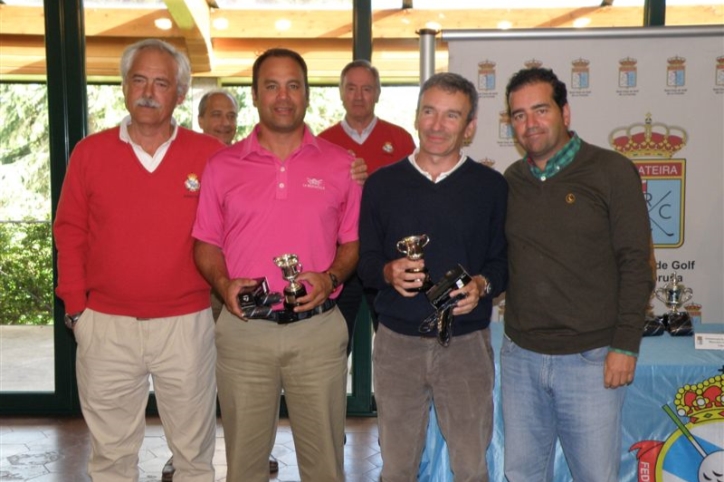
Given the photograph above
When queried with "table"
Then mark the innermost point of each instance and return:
(654, 447)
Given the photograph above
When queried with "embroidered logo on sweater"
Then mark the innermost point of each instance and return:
(192, 183)
(387, 147)
(313, 183)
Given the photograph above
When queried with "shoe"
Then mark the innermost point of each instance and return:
(273, 464)
(167, 472)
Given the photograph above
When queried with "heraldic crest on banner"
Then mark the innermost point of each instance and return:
(651, 146)
(694, 451)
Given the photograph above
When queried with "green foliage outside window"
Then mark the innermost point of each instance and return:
(26, 276)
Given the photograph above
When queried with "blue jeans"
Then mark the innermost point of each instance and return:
(549, 397)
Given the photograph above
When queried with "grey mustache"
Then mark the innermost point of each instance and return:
(146, 102)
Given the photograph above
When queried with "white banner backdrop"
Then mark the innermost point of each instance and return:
(656, 95)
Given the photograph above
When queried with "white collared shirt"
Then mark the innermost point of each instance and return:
(442, 175)
(150, 162)
(358, 137)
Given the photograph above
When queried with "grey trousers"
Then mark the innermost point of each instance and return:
(412, 372)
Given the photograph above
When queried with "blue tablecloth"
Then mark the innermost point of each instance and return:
(654, 448)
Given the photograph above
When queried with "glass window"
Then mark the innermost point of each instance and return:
(26, 261)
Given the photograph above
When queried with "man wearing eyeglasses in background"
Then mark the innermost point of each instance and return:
(218, 112)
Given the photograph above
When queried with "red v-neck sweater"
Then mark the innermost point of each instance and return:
(387, 143)
(124, 234)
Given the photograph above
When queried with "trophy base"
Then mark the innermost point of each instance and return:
(291, 296)
(679, 324)
(655, 326)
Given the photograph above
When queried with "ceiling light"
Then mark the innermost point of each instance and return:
(163, 23)
(504, 25)
(283, 24)
(581, 22)
(220, 23)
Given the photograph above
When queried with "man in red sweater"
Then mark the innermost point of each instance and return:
(133, 297)
(376, 142)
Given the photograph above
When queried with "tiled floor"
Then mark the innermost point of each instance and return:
(56, 450)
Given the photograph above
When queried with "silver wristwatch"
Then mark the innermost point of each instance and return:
(488, 286)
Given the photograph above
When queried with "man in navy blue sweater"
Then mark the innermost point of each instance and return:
(460, 205)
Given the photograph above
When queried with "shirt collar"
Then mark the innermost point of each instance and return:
(412, 158)
(126, 137)
(358, 137)
(252, 146)
(559, 160)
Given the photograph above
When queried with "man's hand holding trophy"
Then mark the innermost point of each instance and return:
(410, 277)
(256, 301)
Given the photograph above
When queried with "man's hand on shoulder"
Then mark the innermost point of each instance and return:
(359, 171)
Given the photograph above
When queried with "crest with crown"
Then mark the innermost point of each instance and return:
(628, 62)
(676, 61)
(581, 64)
(648, 139)
(486, 66)
(533, 64)
(703, 401)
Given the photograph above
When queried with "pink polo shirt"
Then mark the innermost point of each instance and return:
(256, 207)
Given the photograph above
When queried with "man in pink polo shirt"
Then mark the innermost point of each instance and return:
(280, 191)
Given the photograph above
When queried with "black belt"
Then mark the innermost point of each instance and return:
(284, 317)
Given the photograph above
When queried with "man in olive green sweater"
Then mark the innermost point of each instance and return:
(578, 249)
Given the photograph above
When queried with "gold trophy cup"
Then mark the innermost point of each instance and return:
(291, 267)
(412, 247)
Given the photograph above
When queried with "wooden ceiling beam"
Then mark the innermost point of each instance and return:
(193, 20)
(397, 23)
(323, 37)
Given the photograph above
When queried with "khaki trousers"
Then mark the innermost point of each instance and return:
(116, 355)
(308, 360)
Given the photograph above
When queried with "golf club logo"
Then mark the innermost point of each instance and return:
(651, 146)
(694, 452)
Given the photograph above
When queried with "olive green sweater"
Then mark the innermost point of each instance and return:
(578, 252)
